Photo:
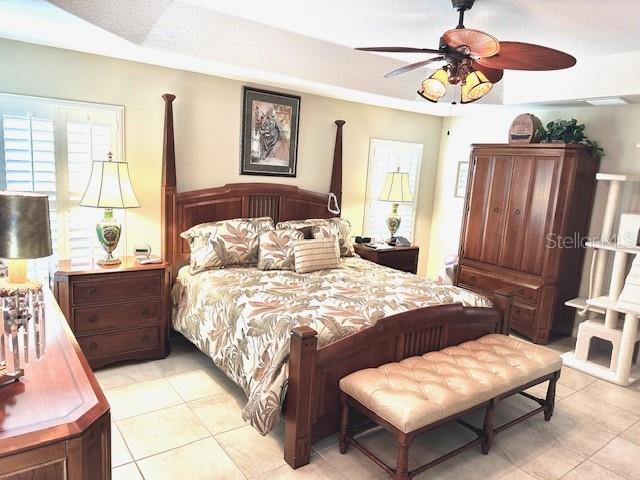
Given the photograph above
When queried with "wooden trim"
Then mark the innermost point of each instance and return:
(168, 188)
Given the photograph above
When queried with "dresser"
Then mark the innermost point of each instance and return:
(116, 313)
(54, 422)
(527, 207)
(398, 258)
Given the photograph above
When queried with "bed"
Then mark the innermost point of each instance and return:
(289, 350)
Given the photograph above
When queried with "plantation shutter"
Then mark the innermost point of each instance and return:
(47, 146)
(387, 156)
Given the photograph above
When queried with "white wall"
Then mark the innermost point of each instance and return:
(207, 115)
(616, 129)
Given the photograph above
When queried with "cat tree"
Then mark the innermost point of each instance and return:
(603, 309)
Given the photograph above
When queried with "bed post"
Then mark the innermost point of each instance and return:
(336, 171)
(302, 368)
(168, 186)
(503, 303)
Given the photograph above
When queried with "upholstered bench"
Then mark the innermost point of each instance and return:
(420, 393)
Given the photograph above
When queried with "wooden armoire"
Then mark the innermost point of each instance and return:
(527, 209)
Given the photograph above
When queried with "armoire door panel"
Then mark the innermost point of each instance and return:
(517, 212)
(501, 170)
(477, 206)
(543, 190)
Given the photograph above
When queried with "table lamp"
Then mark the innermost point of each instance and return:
(396, 189)
(109, 187)
(24, 234)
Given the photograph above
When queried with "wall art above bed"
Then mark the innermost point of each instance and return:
(269, 133)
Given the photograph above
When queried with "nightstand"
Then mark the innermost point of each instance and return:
(399, 258)
(116, 313)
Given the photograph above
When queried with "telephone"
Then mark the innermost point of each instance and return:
(399, 242)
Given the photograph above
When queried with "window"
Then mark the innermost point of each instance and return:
(387, 156)
(47, 146)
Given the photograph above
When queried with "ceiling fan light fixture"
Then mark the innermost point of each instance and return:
(475, 86)
(435, 87)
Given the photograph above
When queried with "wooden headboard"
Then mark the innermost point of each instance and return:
(182, 210)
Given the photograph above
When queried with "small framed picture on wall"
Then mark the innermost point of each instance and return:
(461, 179)
(269, 133)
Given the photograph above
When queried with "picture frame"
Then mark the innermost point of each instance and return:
(461, 179)
(269, 140)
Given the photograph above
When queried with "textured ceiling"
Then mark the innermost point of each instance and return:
(308, 45)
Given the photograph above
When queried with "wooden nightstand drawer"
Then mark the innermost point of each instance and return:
(133, 340)
(124, 315)
(129, 287)
(398, 258)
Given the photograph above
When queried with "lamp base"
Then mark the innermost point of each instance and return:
(393, 221)
(108, 232)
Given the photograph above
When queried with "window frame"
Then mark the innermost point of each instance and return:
(61, 112)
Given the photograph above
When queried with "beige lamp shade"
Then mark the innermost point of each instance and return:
(109, 186)
(396, 188)
(25, 230)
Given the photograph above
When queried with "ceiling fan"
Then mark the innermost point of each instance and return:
(475, 59)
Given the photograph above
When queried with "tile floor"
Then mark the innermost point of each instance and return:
(179, 418)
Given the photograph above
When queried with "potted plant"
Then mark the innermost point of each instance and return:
(569, 131)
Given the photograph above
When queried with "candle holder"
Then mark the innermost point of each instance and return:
(23, 332)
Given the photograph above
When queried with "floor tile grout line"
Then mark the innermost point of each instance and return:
(150, 411)
(603, 466)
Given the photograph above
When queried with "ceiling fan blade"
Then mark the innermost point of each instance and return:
(398, 49)
(494, 75)
(527, 56)
(412, 66)
(480, 44)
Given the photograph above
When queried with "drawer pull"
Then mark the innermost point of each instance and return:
(145, 286)
(145, 339)
(496, 210)
(145, 311)
(93, 319)
(474, 278)
(517, 211)
(92, 291)
(521, 291)
(518, 312)
(93, 346)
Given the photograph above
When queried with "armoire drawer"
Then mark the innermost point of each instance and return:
(523, 318)
(119, 316)
(124, 288)
(133, 340)
(491, 284)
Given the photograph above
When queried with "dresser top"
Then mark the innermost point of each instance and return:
(129, 264)
(57, 398)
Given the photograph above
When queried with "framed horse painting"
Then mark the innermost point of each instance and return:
(269, 133)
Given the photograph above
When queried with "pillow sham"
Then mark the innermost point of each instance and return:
(225, 243)
(340, 228)
(317, 254)
(276, 249)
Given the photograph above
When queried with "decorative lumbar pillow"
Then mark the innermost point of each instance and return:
(339, 228)
(317, 254)
(276, 249)
(225, 243)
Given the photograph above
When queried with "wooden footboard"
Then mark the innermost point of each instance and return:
(312, 405)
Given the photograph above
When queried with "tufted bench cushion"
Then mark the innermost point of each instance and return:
(421, 390)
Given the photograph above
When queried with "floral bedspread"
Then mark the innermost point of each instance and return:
(242, 317)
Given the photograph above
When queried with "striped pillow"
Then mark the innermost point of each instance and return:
(317, 254)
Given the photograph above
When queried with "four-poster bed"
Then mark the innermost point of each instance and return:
(312, 404)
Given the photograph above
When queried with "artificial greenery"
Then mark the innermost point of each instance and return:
(569, 131)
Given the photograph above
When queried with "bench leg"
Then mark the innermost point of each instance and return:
(344, 423)
(488, 433)
(402, 467)
(550, 401)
